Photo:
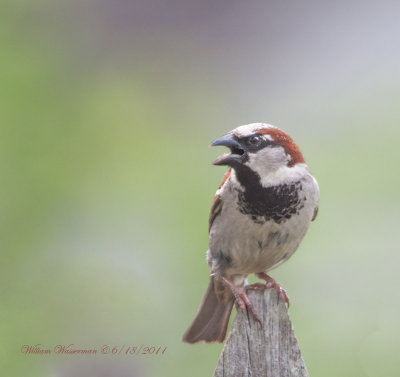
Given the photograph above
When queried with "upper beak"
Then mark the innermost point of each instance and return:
(226, 141)
(230, 142)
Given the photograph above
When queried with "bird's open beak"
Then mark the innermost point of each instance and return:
(237, 153)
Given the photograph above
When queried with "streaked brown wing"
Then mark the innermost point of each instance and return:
(315, 214)
(216, 207)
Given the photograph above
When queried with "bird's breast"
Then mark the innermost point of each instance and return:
(257, 231)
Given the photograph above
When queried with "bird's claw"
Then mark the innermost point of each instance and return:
(242, 300)
(272, 283)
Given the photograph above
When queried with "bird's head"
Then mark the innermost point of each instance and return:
(261, 147)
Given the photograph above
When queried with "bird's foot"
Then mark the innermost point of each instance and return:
(271, 283)
(242, 301)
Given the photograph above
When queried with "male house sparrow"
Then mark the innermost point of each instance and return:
(259, 216)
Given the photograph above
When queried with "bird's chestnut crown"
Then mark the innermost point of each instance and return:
(259, 146)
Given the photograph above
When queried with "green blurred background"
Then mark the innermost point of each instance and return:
(106, 112)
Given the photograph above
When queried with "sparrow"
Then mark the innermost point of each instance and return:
(259, 216)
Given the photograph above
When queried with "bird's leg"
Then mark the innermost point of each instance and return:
(241, 298)
(270, 283)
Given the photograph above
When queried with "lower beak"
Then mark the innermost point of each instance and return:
(228, 159)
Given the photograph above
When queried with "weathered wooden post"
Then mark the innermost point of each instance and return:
(270, 350)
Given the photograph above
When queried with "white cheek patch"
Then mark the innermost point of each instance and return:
(285, 174)
(267, 160)
(250, 129)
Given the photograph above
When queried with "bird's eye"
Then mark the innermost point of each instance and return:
(254, 140)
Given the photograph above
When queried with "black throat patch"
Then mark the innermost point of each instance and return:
(278, 203)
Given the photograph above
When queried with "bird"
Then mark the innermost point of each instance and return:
(260, 214)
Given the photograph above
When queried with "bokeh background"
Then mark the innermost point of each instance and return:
(106, 112)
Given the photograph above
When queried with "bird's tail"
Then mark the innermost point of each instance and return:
(212, 318)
